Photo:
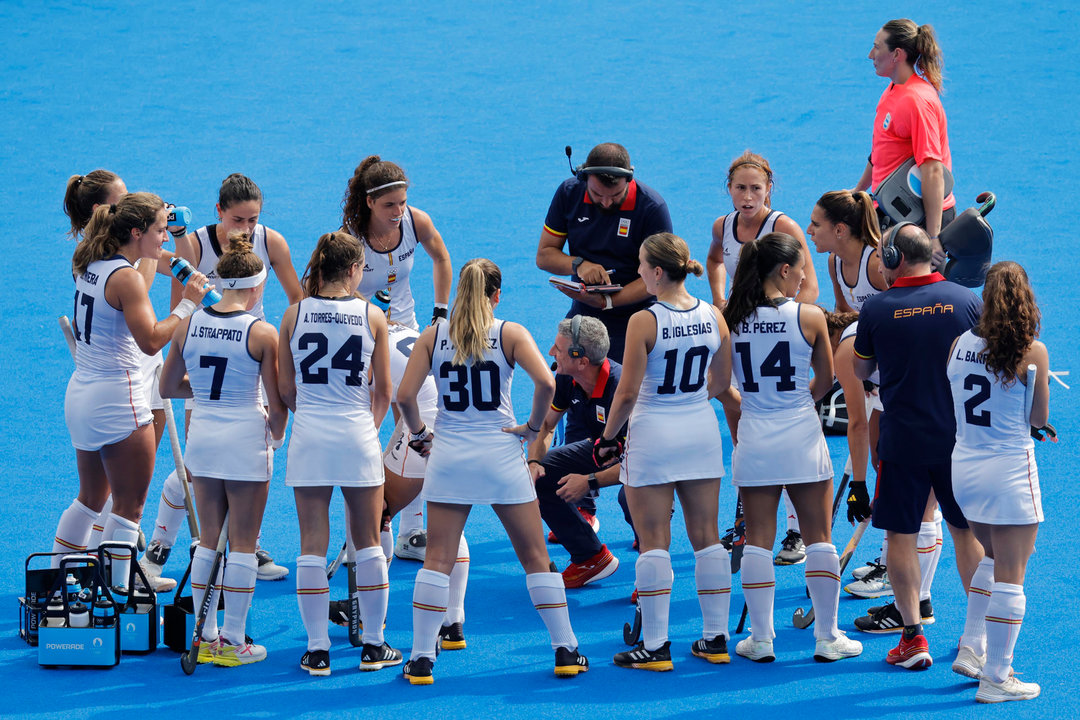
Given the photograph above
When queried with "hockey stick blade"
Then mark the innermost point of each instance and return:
(190, 660)
(631, 635)
(742, 619)
(333, 566)
(803, 619)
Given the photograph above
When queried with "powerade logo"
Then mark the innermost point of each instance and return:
(888, 121)
(65, 646)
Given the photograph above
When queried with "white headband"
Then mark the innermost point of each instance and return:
(389, 184)
(243, 283)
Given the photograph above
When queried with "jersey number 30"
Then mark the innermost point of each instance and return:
(478, 383)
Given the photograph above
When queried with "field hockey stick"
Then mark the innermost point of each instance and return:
(632, 633)
(1029, 392)
(742, 619)
(355, 638)
(333, 566)
(69, 335)
(190, 659)
(178, 463)
(804, 619)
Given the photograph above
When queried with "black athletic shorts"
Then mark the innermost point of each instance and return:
(902, 491)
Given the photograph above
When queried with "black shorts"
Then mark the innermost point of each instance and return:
(902, 491)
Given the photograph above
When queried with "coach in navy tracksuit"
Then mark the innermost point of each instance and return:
(585, 384)
(602, 216)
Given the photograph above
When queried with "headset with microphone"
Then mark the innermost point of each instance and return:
(576, 350)
(582, 172)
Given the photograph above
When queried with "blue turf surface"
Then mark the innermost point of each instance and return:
(476, 102)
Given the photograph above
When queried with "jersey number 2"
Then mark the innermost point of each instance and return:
(981, 385)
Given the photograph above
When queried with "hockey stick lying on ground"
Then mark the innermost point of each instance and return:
(178, 464)
(837, 499)
(190, 659)
(804, 619)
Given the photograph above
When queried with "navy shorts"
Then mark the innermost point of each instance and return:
(902, 491)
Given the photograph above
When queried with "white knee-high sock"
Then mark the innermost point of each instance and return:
(412, 517)
(386, 540)
(1004, 616)
(73, 531)
(929, 543)
(884, 549)
(200, 578)
(238, 585)
(712, 573)
(823, 582)
(372, 591)
(792, 516)
(120, 529)
(313, 596)
(98, 531)
(759, 589)
(430, 595)
(548, 595)
(978, 599)
(653, 582)
(459, 579)
(171, 512)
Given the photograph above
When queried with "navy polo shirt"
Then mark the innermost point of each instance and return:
(909, 329)
(586, 414)
(609, 239)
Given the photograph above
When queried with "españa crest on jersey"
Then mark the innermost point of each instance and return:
(624, 227)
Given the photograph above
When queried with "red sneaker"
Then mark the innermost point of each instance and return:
(591, 519)
(597, 567)
(913, 654)
(633, 597)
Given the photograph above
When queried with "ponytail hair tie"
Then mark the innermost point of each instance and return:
(112, 209)
(79, 181)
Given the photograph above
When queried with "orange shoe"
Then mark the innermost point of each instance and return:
(597, 567)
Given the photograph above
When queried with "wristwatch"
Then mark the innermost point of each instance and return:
(575, 262)
(594, 484)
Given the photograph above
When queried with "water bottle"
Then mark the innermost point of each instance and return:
(79, 615)
(54, 613)
(182, 270)
(104, 613)
(178, 216)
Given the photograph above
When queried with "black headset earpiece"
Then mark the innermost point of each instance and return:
(582, 173)
(576, 349)
(891, 256)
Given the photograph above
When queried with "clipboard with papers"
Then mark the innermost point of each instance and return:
(575, 286)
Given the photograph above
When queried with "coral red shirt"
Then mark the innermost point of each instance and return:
(910, 122)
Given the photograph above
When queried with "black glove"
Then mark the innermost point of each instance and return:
(858, 503)
(437, 314)
(607, 452)
(421, 441)
(1051, 433)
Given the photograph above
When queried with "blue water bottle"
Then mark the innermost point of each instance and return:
(182, 270)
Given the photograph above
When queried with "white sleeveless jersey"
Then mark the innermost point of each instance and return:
(103, 343)
(391, 271)
(402, 339)
(678, 364)
(331, 347)
(849, 332)
(210, 252)
(476, 396)
(856, 294)
(771, 359)
(731, 245)
(219, 363)
(989, 416)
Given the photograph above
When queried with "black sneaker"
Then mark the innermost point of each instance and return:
(418, 671)
(715, 650)
(569, 663)
(639, 658)
(792, 550)
(452, 637)
(316, 662)
(376, 657)
(886, 620)
(926, 611)
(339, 612)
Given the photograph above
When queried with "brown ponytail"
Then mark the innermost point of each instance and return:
(334, 254)
(856, 210)
(110, 228)
(920, 45)
(370, 173)
(83, 192)
(239, 261)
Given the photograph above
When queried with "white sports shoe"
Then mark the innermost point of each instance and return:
(412, 546)
(860, 572)
(967, 663)
(838, 649)
(153, 575)
(873, 584)
(757, 650)
(1011, 689)
(268, 569)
